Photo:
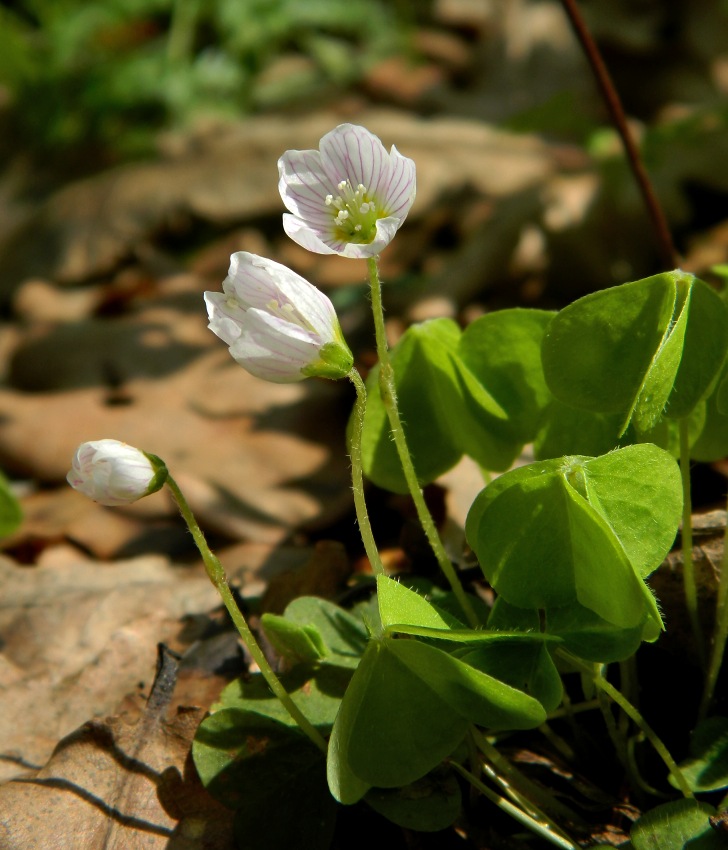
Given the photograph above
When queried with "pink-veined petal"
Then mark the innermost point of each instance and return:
(305, 236)
(353, 156)
(397, 191)
(277, 324)
(353, 153)
(303, 183)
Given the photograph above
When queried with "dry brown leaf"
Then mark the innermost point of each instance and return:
(122, 784)
(77, 637)
(87, 228)
(254, 459)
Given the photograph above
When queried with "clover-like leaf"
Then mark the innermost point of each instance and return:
(246, 761)
(503, 350)
(574, 530)
(407, 708)
(445, 410)
(638, 350)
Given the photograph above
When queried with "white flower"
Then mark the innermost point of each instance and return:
(278, 326)
(350, 197)
(115, 473)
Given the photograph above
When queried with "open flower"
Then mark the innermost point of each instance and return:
(115, 473)
(350, 197)
(278, 326)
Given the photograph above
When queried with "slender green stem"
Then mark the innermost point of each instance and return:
(634, 770)
(533, 795)
(600, 682)
(690, 590)
(217, 576)
(389, 399)
(544, 829)
(720, 634)
(619, 742)
(357, 474)
(557, 742)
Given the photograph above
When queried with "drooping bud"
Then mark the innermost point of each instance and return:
(113, 473)
(278, 325)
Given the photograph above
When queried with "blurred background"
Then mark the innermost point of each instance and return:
(139, 150)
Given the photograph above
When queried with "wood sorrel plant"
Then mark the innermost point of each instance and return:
(391, 701)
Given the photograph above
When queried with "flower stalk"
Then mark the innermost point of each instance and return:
(216, 574)
(388, 392)
(595, 675)
(357, 474)
(689, 586)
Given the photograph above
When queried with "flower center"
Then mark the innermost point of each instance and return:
(355, 213)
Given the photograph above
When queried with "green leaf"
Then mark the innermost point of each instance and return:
(407, 708)
(506, 617)
(680, 825)
(550, 534)
(590, 637)
(248, 762)
(712, 442)
(525, 666)
(582, 631)
(344, 635)
(392, 728)
(638, 491)
(707, 770)
(316, 691)
(638, 349)
(567, 430)
(294, 642)
(428, 805)
(445, 410)
(398, 605)
(503, 351)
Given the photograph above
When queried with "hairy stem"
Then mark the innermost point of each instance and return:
(357, 474)
(216, 573)
(689, 586)
(595, 675)
(389, 399)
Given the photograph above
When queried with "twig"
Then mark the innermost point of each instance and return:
(668, 255)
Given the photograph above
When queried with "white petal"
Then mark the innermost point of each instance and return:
(303, 183)
(304, 236)
(396, 190)
(353, 153)
(267, 352)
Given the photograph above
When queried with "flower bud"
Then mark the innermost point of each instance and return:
(278, 325)
(114, 473)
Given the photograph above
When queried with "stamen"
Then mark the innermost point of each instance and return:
(356, 213)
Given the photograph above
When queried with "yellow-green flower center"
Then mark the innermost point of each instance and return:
(355, 213)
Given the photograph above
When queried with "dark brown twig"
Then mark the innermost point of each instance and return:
(668, 254)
